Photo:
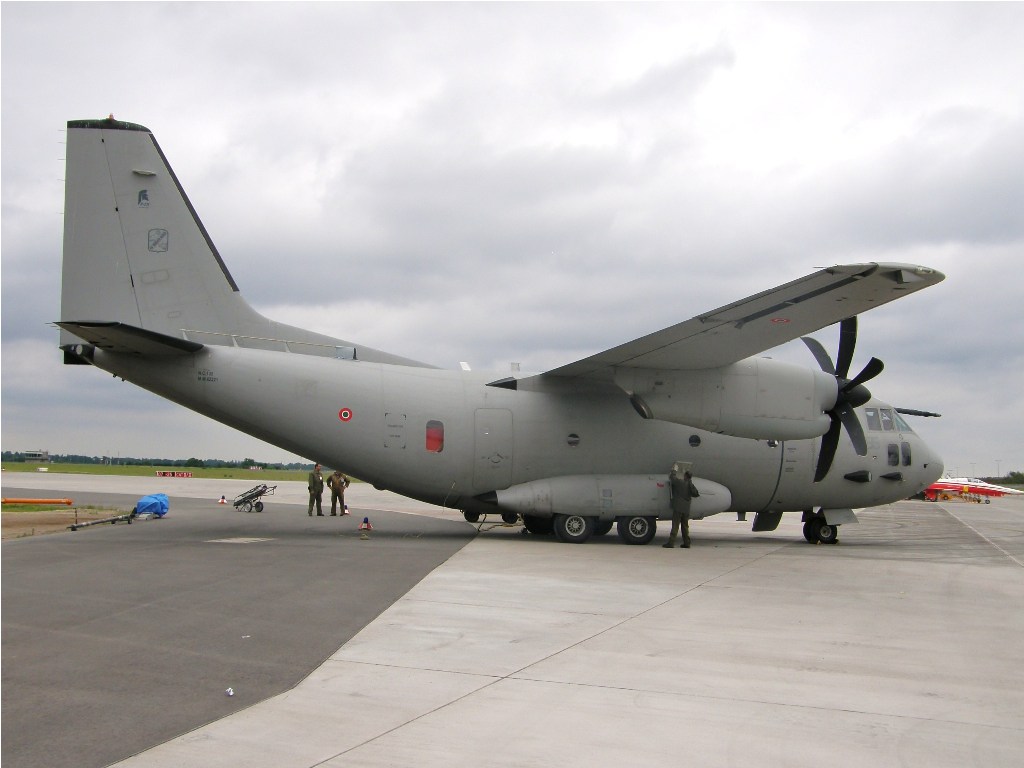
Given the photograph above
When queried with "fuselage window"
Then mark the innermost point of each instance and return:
(435, 436)
(887, 423)
(894, 455)
(905, 450)
(874, 423)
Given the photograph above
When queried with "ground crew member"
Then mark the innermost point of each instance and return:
(683, 490)
(316, 491)
(338, 482)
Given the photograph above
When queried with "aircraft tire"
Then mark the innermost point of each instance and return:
(471, 517)
(817, 530)
(636, 529)
(809, 533)
(828, 534)
(602, 527)
(573, 529)
(509, 518)
(539, 526)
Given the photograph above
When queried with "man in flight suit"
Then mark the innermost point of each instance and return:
(338, 482)
(316, 491)
(683, 490)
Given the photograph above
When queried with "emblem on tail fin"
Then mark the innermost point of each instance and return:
(159, 239)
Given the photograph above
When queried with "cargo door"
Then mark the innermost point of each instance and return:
(492, 468)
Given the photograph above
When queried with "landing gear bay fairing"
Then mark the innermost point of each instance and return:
(578, 449)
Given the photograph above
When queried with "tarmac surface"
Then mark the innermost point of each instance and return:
(432, 645)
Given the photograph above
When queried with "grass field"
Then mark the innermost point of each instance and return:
(257, 476)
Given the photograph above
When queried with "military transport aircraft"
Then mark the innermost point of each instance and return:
(578, 449)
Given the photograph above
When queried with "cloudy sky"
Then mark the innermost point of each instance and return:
(535, 183)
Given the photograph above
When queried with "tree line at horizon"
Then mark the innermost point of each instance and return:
(1011, 478)
(129, 461)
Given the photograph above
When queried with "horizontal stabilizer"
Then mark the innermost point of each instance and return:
(124, 339)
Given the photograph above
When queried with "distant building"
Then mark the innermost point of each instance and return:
(41, 456)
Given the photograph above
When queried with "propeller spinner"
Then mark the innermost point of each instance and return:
(852, 393)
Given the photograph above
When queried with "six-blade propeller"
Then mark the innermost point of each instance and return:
(852, 393)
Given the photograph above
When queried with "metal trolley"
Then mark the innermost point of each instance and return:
(250, 500)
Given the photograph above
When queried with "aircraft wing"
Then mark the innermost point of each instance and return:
(758, 323)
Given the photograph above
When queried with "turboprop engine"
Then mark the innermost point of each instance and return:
(609, 496)
(757, 398)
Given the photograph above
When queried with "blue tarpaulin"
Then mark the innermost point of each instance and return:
(154, 504)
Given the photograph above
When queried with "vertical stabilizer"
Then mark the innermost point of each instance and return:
(134, 250)
(136, 253)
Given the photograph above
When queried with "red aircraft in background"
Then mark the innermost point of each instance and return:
(966, 488)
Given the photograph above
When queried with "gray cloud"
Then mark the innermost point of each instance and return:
(536, 182)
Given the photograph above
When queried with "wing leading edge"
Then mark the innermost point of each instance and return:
(750, 326)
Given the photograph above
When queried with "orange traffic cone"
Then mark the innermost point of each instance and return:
(222, 500)
(365, 527)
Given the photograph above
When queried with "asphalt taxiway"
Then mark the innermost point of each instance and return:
(897, 647)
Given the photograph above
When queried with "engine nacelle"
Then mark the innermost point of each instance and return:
(757, 398)
(610, 496)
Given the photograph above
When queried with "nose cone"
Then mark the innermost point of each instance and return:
(931, 463)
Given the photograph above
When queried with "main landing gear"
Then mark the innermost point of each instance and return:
(577, 529)
(818, 531)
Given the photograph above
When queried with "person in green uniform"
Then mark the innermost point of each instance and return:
(683, 491)
(338, 482)
(316, 491)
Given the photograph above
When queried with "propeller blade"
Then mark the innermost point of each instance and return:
(829, 443)
(853, 428)
(872, 369)
(824, 361)
(847, 342)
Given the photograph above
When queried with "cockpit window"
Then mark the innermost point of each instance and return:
(901, 423)
(887, 423)
(874, 423)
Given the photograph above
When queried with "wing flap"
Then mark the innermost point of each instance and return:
(124, 339)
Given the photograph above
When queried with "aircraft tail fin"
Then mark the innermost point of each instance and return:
(136, 255)
(135, 252)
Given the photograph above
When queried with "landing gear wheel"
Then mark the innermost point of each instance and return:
(471, 517)
(509, 518)
(828, 534)
(602, 527)
(636, 529)
(246, 506)
(573, 529)
(257, 507)
(809, 532)
(817, 530)
(539, 526)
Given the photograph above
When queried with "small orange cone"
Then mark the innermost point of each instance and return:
(364, 527)
(222, 500)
